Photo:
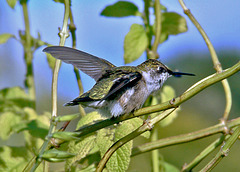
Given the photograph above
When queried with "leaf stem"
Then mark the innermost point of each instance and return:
(183, 138)
(158, 22)
(147, 125)
(217, 64)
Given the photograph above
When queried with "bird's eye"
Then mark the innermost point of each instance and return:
(161, 70)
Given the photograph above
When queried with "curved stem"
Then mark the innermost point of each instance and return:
(28, 55)
(217, 64)
(158, 15)
(183, 138)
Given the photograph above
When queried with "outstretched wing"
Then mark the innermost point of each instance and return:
(89, 64)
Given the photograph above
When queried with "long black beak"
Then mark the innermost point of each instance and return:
(179, 74)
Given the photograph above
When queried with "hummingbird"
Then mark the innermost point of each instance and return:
(118, 90)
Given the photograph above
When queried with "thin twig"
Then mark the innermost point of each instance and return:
(63, 35)
(28, 56)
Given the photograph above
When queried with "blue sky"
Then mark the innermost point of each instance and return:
(104, 37)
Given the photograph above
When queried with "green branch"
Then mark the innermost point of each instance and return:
(158, 21)
(28, 55)
(183, 138)
(217, 64)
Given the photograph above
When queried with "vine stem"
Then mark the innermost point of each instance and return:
(63, 35)
(223, 151)
(183, 138)
(28, 55)
(217, 64)
(147, 125)
(158, 24)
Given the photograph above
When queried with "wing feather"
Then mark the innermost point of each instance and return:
(89, 64)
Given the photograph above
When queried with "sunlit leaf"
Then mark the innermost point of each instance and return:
(173, 23)
(67, 117)
(57, 154)
(14, 97)
(120, 160)
(88, 119)
(81, 149)
(67, 136)
(135, 43)
(12, 3)
(7, 122)
(167, 94)
(5, 37)
(121, 9)
(12, 158)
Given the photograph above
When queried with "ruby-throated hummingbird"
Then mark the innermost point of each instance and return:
(118, 90)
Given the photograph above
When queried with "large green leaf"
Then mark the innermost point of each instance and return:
(121, 9)
(135, 43)
(173, 23)
(120, 160)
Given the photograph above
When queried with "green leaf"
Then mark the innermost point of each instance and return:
(167, 94)
(8, 120)
(57, 154)
(170, 168)
(51, 61)
(67, 136)
(10, 98)
(88, 119)
(120, 160)
(5, 37)
(12, 3)
(121, 9)
(135, 43)
(82, 149)
(12, 158)
(67, 117)
(173, 23)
